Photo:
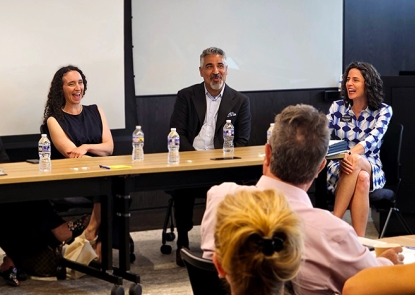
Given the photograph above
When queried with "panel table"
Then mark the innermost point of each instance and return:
(68, 178)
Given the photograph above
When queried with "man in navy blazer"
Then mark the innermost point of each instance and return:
(199, 114)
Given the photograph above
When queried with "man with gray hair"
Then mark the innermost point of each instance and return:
(293, 158)
(199, 114)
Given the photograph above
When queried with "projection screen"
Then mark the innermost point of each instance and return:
(270, 44)
(39, 37)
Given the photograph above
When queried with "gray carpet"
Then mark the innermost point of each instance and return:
(159, 273)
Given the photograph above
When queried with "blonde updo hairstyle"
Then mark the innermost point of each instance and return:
(258, 241)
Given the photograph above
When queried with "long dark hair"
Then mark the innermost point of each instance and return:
(56, 98)
(373, 84)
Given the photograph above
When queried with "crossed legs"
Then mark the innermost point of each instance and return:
(353, 191)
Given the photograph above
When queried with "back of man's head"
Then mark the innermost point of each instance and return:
(299, 143)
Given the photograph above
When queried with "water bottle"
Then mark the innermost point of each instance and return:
(173, 145)
(45, 163)
(228, 134)
(138, 144)
(269, 131)
(339, 84)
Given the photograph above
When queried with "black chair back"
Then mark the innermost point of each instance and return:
(390, 155)
(202, 275)
(384, 199)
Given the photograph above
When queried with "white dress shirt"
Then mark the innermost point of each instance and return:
(204, 140)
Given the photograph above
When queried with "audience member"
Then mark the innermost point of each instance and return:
(386, 280)
(294, 157)
(361, 119)
(77, 130)
(199, 114)
(258, 242)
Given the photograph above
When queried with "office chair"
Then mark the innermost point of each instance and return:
(168, 236)
(384, 199)
(202, 275)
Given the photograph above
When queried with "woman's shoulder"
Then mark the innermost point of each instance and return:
(385, 106)
(384, 109)
(337, 105)
(90, 107)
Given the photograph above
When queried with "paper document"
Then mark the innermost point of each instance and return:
(408, 252)
(336, 147)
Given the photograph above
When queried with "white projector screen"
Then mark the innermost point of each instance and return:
(270, 44)
(38, 37)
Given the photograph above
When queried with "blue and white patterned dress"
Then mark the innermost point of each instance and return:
(368, 130)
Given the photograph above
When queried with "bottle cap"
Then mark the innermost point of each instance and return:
(138, 126)
(272, 124)
(173, 129)
(228, 121)
(44, 135)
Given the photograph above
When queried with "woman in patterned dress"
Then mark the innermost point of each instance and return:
(361, 119)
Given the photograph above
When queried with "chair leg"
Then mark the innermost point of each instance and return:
(403, 222)
(169, 217)
(386, 223)
(401, 219)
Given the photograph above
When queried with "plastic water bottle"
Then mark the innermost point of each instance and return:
(228, 135)
(45, 163)
(138, 144)
(269, 131)
(173, 145)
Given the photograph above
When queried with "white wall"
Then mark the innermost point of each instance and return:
(38, 37)
(270, 44)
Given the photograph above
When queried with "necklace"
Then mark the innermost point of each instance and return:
(70, 113)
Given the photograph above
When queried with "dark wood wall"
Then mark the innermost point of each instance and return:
(381, 33)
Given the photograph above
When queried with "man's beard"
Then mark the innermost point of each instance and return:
(216, 85)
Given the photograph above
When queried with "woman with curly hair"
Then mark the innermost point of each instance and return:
(258, 242)
(361, 119)
(76, 130)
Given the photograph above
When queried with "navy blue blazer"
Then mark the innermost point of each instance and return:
(190, 111)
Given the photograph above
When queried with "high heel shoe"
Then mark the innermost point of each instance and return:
(77, 227)
(10, 276)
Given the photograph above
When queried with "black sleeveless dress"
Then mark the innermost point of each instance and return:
(84, 128)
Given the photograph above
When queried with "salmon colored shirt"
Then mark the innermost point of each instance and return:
(332, 253)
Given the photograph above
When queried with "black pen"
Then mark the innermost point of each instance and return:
(105, 167)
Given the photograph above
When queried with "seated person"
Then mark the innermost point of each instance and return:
(361, 119)
(293, 159)
(76, 130)
(29, 227)
(199, 114)
(386, 280)
(258, 242)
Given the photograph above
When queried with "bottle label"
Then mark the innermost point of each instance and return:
(228, 132)
(174, 141)
(138, 139)
(44, 148)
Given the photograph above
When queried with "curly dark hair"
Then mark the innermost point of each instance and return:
(56, 98)
(373, 84)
